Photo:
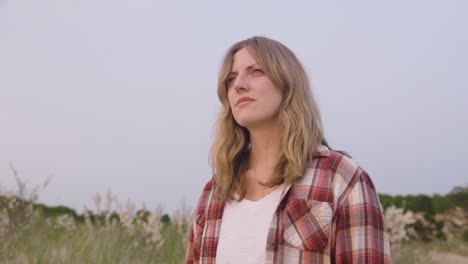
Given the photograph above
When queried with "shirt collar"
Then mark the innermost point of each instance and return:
(321, 151)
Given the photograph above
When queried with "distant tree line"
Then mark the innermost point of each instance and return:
(55, 211)
(435, 204)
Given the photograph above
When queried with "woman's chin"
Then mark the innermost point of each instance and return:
(249, 125)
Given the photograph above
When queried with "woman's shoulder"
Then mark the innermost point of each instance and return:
(204, 197)
(209, 185)
(329, 174)
(337, 161)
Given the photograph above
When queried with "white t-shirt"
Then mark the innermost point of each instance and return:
(244, 229)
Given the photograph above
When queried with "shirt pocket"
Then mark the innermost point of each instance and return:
(307, 224)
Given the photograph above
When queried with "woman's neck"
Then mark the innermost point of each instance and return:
(262, 159)
(264, 149)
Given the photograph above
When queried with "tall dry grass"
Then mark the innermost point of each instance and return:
(114, 233)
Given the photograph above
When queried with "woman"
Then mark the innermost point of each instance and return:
(279, 193)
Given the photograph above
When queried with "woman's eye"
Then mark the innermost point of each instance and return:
(257, 70)
(229, 80)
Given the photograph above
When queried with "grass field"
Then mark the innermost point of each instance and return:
(416, 252)
(52, 241)
(43, 241)
(30, 233)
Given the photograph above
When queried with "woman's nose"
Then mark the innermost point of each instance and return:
(241, 82)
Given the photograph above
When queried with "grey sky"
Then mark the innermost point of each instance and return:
(122, 94)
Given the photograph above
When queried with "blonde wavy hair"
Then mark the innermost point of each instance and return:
(299, 121)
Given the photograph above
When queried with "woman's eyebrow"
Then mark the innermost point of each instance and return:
(248, 68)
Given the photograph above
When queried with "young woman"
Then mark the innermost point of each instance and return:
(279, 193)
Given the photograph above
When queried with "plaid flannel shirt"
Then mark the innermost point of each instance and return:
(332, 215)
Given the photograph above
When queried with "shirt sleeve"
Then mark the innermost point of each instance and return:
(193, 251)
(196, 228)
(361, 235)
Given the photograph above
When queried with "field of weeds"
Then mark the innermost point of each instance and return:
(64, 240)
(29, 236)
(113, 232)
(453, 251)
(44, 241)
(119, 233)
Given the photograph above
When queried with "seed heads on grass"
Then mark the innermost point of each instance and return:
(397, 221)
(126, 216)
(66, 221)
(97, 202)
(181, 219)
(110, 198)
(151, 226)
(4, 222)
(87, 219)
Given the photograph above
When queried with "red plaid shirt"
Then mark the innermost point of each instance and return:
(332, 215)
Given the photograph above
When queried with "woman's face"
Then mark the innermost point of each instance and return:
(248, 81)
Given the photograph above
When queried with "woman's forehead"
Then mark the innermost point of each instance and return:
(242, 59)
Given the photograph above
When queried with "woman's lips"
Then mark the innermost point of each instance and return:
(244, 102)
(244, 98)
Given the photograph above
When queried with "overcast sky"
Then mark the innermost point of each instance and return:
(122, 94)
